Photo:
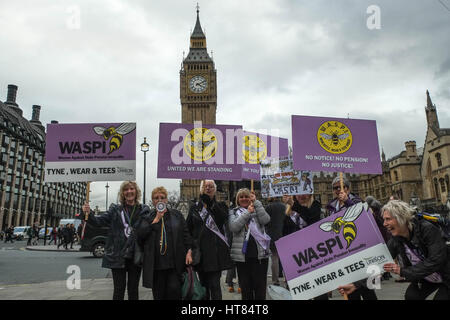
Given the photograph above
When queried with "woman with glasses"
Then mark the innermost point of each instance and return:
(206, 223)
(251, 245)
(343, 198)
(121, 219)
(166, 243)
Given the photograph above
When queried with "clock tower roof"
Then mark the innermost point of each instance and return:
(197, 51)
(198, 32)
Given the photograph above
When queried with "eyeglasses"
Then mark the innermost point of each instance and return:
(338, 188)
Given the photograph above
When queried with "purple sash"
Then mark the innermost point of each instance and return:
(261, 237)
(415, 257)
(295, 216)
(126, 228)
(211, 225)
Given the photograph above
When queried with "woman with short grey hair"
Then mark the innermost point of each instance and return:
(424, 256)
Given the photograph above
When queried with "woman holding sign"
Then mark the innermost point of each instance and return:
(251, 245)
(122, 219)
(424, 255)
(206, 222)
(301, 211)
(167, 248)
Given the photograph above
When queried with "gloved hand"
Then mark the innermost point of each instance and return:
(206, 200)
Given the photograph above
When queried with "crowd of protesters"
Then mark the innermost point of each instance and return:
(160, 243)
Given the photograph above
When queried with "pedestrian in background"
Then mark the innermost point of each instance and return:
(206, 224)
(251, 245)
(122, 220)
(72, 235)
(9, 234)
(53, 235)
(276, 210)
(30, 233)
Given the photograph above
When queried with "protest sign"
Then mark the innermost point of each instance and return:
(90, 152)
(338, 250)
(335, 144)
(257, 147)
(279, 178)
(200, 151)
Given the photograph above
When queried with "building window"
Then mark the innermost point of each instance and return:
(436, 188)
(447, 182)
(439, 159)
(395, 175)
(441, 181)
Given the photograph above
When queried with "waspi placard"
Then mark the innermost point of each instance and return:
(335, 144)
(338, 250)
(90, 152)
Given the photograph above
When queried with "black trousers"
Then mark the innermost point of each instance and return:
(253, 278)
(364, 293)
(422, 290)
(166, 285)
(211, 281)
(120, 281)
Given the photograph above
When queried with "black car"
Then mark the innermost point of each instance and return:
(94, 240)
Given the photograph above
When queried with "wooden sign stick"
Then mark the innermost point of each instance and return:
(251, 185)
(341, 179)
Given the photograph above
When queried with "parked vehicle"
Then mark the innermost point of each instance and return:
(20, 232)
(75, 222)
(42, 231)
(94, 240)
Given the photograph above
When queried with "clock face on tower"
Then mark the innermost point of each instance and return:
(198, 84)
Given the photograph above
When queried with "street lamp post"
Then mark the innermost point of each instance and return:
(144, 148)
(107, 187)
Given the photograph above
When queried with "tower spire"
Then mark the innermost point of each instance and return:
(431, 113)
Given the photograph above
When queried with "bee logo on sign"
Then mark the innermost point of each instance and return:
(334, 137)
(200, 144)
(349, 228)
(254, 149)
(115, 134)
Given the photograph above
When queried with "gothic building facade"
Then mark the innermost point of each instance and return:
(24, 197)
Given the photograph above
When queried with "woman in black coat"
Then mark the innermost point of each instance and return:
(425, 258)
(166, 244)
(122, 219)
(210, 239)
(301, 212)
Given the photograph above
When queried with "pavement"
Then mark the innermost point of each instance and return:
(75, 248)
(101, 289)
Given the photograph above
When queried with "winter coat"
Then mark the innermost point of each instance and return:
(237, 226)
(310, 215)
(116, 238)
(428, 238)
(214, 252)
(146, 237)
(352, 199)
(277, 212)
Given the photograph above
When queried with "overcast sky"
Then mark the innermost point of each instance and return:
(117, 60)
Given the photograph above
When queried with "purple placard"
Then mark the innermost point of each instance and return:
(267, 147)
(335, 144)
(200, 151)
(303, 251)
(90, 142)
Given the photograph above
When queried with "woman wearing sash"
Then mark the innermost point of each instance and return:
(301, 211)
(166, 244)
(122, 219)
(251, 245)
(206, 223)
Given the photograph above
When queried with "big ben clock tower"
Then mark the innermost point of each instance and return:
(198, 93)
